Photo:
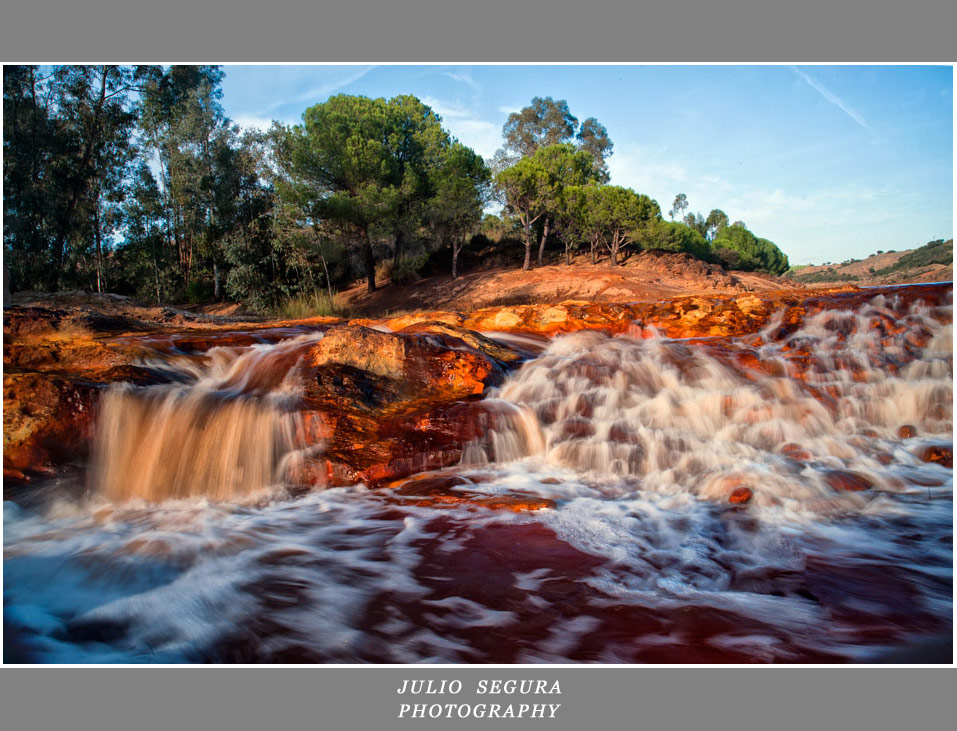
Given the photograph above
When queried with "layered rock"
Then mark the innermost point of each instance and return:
(390, 398)
(396, 403)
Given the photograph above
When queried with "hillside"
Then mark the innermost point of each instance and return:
(646, 276)
(932, 262)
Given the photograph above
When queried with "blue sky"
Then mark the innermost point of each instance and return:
(829, 162)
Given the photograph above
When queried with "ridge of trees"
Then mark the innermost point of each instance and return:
(131, 179)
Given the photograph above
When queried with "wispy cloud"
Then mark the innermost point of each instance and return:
(319, 93)
(831, 97)
(466, 79)
(447, 110)
(467, 126)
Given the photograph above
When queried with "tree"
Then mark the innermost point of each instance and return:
(361, 164)
(715, 222)
(678, 237)
(593, 138)
(740, 249)
(697, 222)
(521, 185)
(564, 167)
(461, 190)
(621, 215)
(67, 145)
(679, 206)
(544, 122)
(534, 188)
(182, 116)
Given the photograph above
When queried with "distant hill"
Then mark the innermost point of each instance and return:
(933, 262)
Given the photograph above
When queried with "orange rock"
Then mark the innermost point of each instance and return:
(46, 421)
(942, 454)
(907, 431)
(420, 366)
(740, 495)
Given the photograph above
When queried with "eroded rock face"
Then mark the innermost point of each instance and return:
(397, 372)
(398, 403)
(46, 421)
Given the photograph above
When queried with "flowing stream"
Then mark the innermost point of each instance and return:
(742, 500)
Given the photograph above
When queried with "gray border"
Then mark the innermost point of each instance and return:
(635, 699)
(690, 31)
(48, 31)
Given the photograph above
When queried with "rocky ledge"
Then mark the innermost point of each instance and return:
(385, 399)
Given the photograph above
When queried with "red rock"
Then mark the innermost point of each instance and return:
(942, 454)
(740, 495)
(437, 490)
(423, 367)
(47, 420)
(846, 481)
(907, 431)
(796, 452)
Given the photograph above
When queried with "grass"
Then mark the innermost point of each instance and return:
(317, 304)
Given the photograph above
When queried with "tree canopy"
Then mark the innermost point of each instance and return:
(132, 179)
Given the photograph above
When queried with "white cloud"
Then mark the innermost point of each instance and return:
(250, 121)
(831, 97)
(483, 137)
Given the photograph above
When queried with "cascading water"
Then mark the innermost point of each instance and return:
(840, 547)
(229, 431)
(705, 418)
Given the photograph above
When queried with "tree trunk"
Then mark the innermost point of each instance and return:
(216, 281)
(369, 261)
(456, 248)
(99, 247)
(399, 245)
(328, 281)
(568, 255)
(541, 246)
(528, 243)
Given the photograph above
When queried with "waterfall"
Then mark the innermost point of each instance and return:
(231, 430)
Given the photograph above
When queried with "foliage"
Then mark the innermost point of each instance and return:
(737, 248)
(674, 236)
(933, 252)
(131, 179)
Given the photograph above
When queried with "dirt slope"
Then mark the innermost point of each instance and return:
(647, 276)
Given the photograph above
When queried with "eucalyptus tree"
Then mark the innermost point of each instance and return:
(542, 123)
(181, 117)
(679, 206)
(67, 147)
(715, 221)
(593, 138)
